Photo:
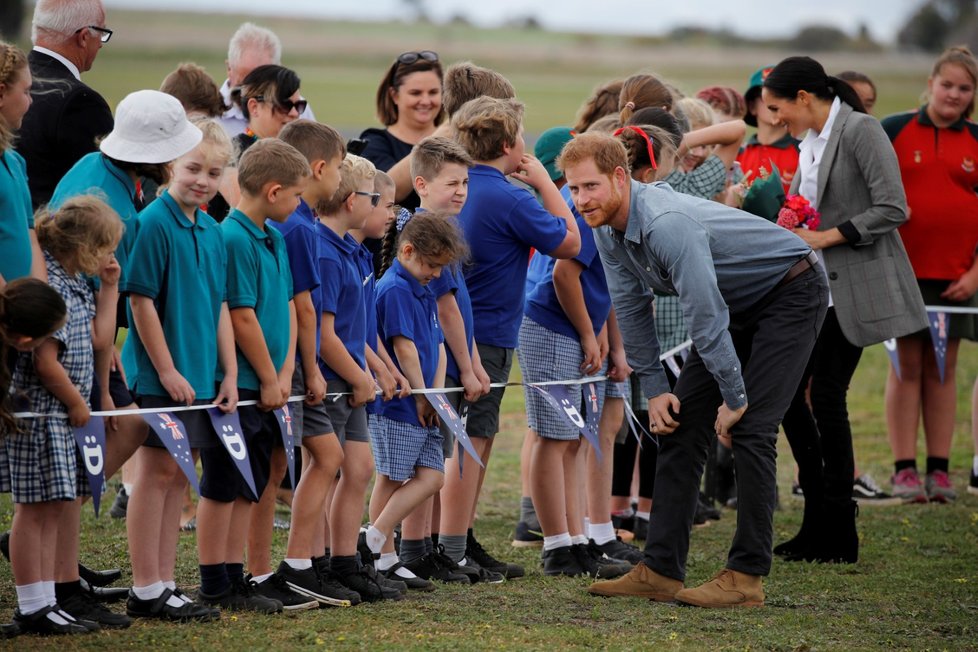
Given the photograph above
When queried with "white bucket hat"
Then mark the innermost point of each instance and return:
(150, 127)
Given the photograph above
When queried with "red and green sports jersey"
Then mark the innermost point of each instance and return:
(939, 168)
(783, 153)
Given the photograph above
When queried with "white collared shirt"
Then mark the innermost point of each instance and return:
(810, 156)
(72, 68)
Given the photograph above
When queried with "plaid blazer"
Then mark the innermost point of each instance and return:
(873, 287)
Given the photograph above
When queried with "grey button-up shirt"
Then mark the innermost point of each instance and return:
(719, 260)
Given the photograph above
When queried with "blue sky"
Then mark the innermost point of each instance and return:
(748, 17)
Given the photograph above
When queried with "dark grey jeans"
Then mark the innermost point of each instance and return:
(773, 340)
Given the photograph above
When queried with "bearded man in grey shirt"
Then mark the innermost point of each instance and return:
(753, 296)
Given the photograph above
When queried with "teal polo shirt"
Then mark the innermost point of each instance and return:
(94, 174)
(16, 217)
(258, 278)
(182, 266)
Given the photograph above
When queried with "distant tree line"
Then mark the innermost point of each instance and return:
(938, 24)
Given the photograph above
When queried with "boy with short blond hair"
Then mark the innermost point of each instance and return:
(342, 354)
(272, 176)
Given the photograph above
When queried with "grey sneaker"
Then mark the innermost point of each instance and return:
(866, 492)
(908, 487)
(938, 487)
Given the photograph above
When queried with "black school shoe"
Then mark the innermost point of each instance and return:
(276, 588)
(99, 577)
(478, 554)
(388, 582)
(436, 565)
(415, 583)
(159, 609)
(39, 623)
(597, 564)
(83, 607)
(241, 596)
(358, 579)
(311, 582)
(619, 550)
(562, 561)
(477, 573)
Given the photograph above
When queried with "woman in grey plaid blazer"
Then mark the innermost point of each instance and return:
(848, 171)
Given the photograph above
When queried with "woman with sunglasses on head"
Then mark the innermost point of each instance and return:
(848, 171)
(409, 104)
(269, 99)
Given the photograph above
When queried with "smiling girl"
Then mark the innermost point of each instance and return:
(937, 147)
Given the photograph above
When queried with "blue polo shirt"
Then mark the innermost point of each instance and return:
(502, 222)
(342, 294)
(258, 278)
(301, 234)
(16, 217)
(543, 307)
(452, 280)
(183, 268)
(94, 174)
(408, 309)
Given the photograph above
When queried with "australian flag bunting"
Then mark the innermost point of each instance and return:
(558, 396)
(91, 446)
(173, 434)
(284, 417)
(450, 418)
(939, 322)
(592, 415)
(228, 429)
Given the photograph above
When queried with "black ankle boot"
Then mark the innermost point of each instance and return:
(839, 542)
(799, 547)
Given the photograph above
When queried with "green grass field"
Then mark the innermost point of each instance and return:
(916, 585)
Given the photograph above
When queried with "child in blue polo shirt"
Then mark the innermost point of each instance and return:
(324, 149)
(408, 445)
(272, 176)
(343, 362)
(505, 221)
(177, 346)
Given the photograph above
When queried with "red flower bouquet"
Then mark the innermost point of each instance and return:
(797, 213)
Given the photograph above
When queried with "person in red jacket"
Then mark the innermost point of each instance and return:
(937, 146)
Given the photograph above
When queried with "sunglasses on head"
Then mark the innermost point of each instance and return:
(286, 106)
(374, 196)
(645, 137)
(407, 58)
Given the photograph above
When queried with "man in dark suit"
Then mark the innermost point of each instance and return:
(67, 116)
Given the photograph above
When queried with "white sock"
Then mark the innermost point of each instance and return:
(31, 598)
(49, 592)
(173, 587)
(258, 579)
(587, 526)
(299, 564)
(375, 540)
(579, 539)
(974, 465)
(602, 533)
(645, 515)
(154, 591)
(128, 487)
(562, 540)
(386, 560)
(405, 573)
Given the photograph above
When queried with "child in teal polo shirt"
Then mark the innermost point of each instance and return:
(181, 254)
(272, 176)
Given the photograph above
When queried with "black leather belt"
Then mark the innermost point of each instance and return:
(796, 270)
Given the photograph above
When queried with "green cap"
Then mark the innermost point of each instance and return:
(548, 148)
(753, 90)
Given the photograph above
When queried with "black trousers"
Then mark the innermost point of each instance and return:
(821, 437)
(774, 340)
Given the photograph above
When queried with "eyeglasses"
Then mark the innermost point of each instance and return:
(374, 196)
(104, 34)
(286, 106)
(407, 58)
(645, 137)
